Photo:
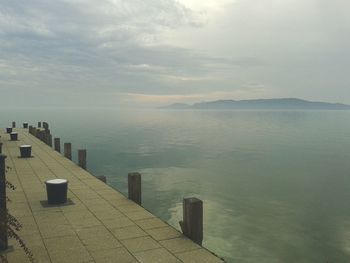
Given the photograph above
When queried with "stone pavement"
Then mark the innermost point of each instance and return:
(97, 225)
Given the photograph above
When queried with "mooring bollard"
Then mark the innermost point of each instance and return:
(8, 130)
(14, 136)
(39, 124)
(68, 150)
(192, 224)
(3, 208)
(25, 125)
(26, 151)
(56, 191)
(134, 187)
(102, 178)
(57, 144)
(82, 158)
(13, 124)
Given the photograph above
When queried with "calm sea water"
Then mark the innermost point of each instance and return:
(275, 185)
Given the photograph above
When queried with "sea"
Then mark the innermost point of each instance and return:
(275, 184)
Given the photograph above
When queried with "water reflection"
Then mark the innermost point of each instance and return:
(275, 185)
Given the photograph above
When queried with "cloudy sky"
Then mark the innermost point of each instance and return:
(154, 52)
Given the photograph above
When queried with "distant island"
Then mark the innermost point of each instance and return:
(260, 104)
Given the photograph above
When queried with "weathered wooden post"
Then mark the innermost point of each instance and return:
(37, 133)
(57, 144)
(134, 187)
(192, 224)
(68, 150)
(13, 124)
(49, 139)
(3, 210)
(44, 136)
(102, 178)
(41, 134)
(45, 126)
(39, 124)
(82, 158)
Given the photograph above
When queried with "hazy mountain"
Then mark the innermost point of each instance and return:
(176, 106)
(262, 104)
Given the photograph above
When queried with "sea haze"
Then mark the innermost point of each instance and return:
(275, 184)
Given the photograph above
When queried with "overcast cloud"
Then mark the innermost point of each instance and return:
(148, 53)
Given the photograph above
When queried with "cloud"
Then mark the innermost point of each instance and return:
(169, 47)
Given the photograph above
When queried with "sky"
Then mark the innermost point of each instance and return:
(146, 53)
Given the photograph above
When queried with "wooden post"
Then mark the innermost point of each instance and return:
(57, 144)
(45, 126)
(38, 133)
(68, 150)
(3, 214)
(192, 224)
(39, 124)
(102, 178)
(82, 158)
(48, 138)
(43, 136)
(134, 187)
(13, 124)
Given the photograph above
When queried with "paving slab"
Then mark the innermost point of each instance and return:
(159, 255)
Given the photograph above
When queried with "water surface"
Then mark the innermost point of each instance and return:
(275, 185)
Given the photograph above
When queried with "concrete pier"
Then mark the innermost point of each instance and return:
(97, 224)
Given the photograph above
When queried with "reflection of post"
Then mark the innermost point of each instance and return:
(192, 224)
(82, 158)
(68, 150)
(134, 187)
(3, 210)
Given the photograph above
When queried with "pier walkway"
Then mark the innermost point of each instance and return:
(98, 224)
